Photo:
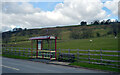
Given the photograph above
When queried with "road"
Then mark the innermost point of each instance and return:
(10, 65)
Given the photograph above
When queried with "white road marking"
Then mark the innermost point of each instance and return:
(10, 67)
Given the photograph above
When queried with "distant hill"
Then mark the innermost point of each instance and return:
(63, 33)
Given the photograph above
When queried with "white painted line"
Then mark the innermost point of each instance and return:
(10, 67)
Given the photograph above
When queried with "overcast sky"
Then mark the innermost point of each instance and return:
(50, 14)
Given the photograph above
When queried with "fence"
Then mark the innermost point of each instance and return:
(16, 51)
(102, 57)
(25, 52)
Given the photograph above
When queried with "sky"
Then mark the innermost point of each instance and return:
(41, 14)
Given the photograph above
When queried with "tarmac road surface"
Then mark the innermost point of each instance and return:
(10, 65)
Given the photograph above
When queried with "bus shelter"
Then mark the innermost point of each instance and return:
(43, 47)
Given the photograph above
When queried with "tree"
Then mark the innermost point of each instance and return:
(25, 29)
(96, 22)
(108, 21)
(102, 22)
(115, 29)
(98, 34)
(81, 34)
(83, 23)
(116, 21)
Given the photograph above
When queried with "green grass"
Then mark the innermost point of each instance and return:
(94, 66)
(16, 57)
(65, 35)
(104, 43)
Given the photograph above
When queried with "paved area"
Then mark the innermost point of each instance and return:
(10, 65)
(60, 63)
(49, 61)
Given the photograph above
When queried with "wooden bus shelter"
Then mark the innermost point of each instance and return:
(43, 47)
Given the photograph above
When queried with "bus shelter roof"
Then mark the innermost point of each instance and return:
(42, 38)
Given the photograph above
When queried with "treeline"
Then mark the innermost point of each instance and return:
(98, 22)
(25, 34)
(87, 32)
(76, 32)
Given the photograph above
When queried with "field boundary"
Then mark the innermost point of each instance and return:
(101, 57)
(89, 56)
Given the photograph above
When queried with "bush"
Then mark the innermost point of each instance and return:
(98, 34)
(81, 34)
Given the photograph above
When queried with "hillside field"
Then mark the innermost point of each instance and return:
(74, 37)
(104, 43)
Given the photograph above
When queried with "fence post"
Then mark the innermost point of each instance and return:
(89, 55)
(77, 55)
(15, 51)
(19, 52)
(8, 51)
(5, 50)
(23, 52)
(68, 50)
(60, 50)
(30, 53)
(101, 55)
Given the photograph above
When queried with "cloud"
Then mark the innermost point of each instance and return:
(18, 8)
(24, 15)
(119, 11)
(113, 6)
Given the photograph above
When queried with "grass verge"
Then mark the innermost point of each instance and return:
(16, 57)
(95, 66)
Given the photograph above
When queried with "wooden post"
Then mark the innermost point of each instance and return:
(8, 51)
(36, 48)
(28, 54)
(50, 49)
(59, 52)
(101, 55)
(15, 52)
(5, 50)
(19, 51)
(77, 55)
(55, 47)
(89, 56)
(42, 48)
(31, 49)
(41, 44)
(68, 50)
(24, 52)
